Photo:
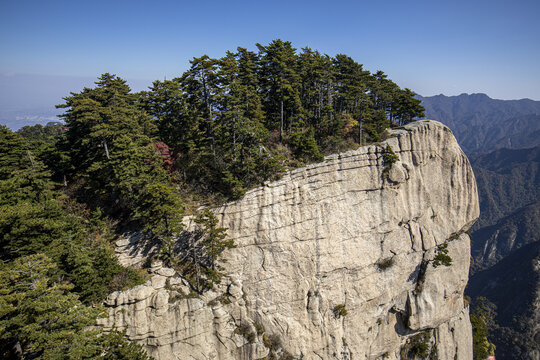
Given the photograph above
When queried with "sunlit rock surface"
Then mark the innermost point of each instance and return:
(349, 233)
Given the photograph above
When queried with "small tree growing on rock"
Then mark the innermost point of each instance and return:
(202, 251)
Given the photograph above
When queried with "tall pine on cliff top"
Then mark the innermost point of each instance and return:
(111, 146)
(107, 134)
(280, 83)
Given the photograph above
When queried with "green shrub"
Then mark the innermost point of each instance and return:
(417, 346)
(272, 342)
(224, 299)
(442, 257)
(259, 328)
(245, 330)
(389, 156)
(305, 146)
(177, 296)
(339, 310)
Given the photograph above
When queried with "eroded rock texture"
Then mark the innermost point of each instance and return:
(334, 261)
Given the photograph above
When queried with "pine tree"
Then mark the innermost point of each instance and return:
(318, 87)
(42, 319)
(352, 98)
(279, 79)
(202, 251)
(242, 132)
(166, 103)
(161, 210)
(129, 175)
(201, 82)
(39, 319)
(30, 216)
(408, 107)
(104, 124)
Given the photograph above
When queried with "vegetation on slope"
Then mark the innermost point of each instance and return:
(482, 322)
(237, 121)
(505, 244)
(507, 180)
(493, 243)
(512, 287)
(53, 257)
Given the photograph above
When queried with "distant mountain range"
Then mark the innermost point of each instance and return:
(482, 124)
(493, 243)
(502, 140)
(507, 181)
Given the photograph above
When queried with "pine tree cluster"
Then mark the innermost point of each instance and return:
(236, 121)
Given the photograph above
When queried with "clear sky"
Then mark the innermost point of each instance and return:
(432, 47)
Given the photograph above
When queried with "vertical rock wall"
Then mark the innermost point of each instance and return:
(337, 260)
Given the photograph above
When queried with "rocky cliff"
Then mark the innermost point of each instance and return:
(357, 257)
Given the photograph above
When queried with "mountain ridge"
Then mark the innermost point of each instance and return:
(482, 124)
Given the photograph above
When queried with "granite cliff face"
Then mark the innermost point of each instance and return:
(337, 260)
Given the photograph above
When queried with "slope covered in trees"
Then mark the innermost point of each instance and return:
(505, 247)
(507, 180)
(56, 261)
(493, 243)
(128, 160)
(512, 287)
(236, 121)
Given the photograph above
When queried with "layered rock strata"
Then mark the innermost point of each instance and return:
(344, 259)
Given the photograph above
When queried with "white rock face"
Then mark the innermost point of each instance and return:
(343, 233)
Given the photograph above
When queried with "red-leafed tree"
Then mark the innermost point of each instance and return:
(167, 155)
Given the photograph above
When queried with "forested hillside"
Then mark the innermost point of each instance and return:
(235, 121)
(505, 247)
(512, 289)
(142, 161)
(57, 262)
(492, 243)
(507, 180)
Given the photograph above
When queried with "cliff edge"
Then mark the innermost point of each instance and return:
(361, 256)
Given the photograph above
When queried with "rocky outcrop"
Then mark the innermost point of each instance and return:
(344, 259)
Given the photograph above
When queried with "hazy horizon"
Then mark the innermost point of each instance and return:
(29, 99)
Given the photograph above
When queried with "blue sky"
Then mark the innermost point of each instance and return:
(432, 47)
